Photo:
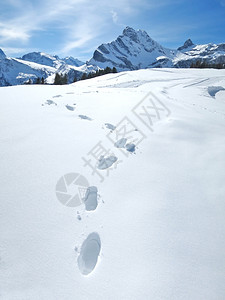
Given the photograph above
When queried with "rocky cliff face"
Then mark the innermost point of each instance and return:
(131, 51)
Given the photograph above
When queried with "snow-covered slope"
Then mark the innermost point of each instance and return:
(156, 230)
(69, 60)
(42, 59)
(136, 50)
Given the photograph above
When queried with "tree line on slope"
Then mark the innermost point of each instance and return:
(61, 79)
(199, 64)
(38, 81)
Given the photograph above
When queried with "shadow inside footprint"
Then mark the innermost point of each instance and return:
(56, 96)
(130, 147)
(71, 108)
(50, 102)
(110, 126)
(121, 143)
(84, 117)
(91, 198)
(89, 253)
(106, 162)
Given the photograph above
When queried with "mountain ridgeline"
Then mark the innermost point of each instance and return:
(132, 50)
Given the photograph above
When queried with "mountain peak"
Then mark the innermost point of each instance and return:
(2, 54)
(131, 33)
(188, 43)
(132, 50)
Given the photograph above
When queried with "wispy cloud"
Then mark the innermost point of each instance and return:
(114, 16)
(69, 14)
(8, 33)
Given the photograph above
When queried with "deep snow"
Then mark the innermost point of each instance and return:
(158, 228)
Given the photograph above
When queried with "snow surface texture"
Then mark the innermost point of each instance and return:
(158, 231)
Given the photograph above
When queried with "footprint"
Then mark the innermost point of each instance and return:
(106, 162)
(49, 102)
(91, 198)
(70, 107)
(110, 126)
(57, 96)
(130, 147)
(84, 117)
(89, 253)
(121, 143)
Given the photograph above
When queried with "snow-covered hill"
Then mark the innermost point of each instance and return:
(136, 50)
(152, 225)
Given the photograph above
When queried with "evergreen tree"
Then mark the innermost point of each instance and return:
(84, 76)
(107, 70)
(28, 82)
(42, 80)
(58, 79)
(38, 81)
(64, 79)
(114, 70)
(100, 72)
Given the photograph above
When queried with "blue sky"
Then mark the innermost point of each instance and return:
(78, 27)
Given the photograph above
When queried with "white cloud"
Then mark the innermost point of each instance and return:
(114, 16)
(12, 33)
(80, 20)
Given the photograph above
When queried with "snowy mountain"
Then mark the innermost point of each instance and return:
(15, 71)
(190, 53)
(52, 61)
(69, 60)
(42, 59)
(153, 226)
(136, 50)
(132, 50)
(186, 45)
